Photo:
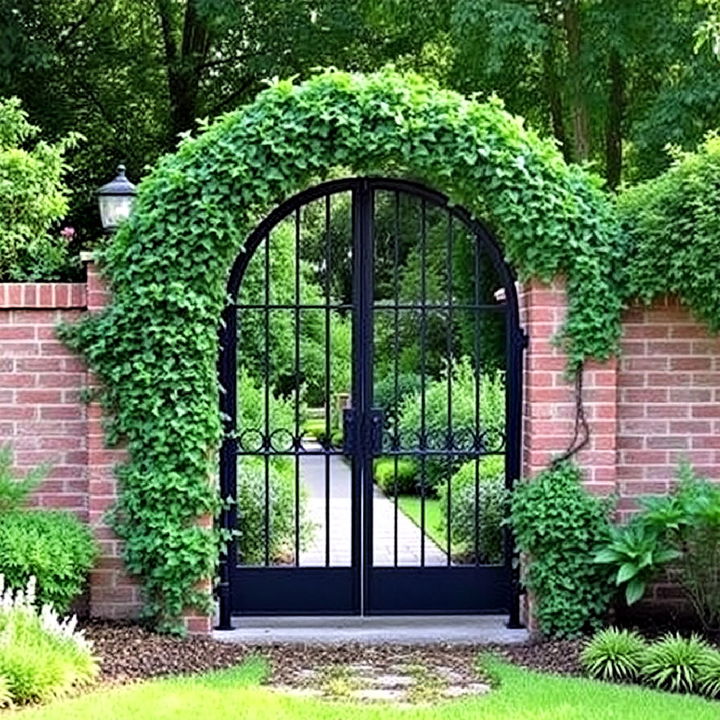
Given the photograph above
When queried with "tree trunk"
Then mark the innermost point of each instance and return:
(580, 112)
(616, 113)
(554, 99)
(184, 64)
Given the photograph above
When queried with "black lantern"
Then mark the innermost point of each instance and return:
(116, 201)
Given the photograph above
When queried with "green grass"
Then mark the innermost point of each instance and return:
(235, 695)
(410, 506)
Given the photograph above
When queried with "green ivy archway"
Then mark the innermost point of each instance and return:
(155, 346)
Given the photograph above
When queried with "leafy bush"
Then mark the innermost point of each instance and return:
(384, 390)
(561, 527)
(281, 506)
(682, 202)
(32, 199)
(487, 519)
(14, 491)
(386, 477)
(709, 676)
(614, 654)
(41, 656)
(638, 552)
(675, 663)
(682, 529)
(52, 546)
(488, 420)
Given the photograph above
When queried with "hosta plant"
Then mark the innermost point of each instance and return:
(41, 655)
(614, 654)
(676, 663)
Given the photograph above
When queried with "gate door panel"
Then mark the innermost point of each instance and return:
(370, 389)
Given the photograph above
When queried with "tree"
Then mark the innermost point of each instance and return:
(32, 199)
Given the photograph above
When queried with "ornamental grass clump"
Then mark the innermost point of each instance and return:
(42, 656)
(709, 676)
(615, 655)
(676, 663)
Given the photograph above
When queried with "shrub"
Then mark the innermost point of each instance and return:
(709, 676)
(52, 546)
(32, 198)
(41, 656)
(682, 529)
(561, 527)
(489, 420)
(386, 477)
(614, 654)
(14, 491)
(281, 515)
(675, 663)
(408, 383)
(487, 519)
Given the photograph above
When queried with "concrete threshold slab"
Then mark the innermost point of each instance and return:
(396, 630)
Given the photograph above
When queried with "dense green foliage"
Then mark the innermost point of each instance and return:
(155, 346)
(395, 475)
(52, 546)
(681, 530)
(41, 656)
(475, 508)
(560, 527)
(33, 199)
(614, 654)
(673, 225)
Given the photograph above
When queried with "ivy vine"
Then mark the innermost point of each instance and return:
(155, 347)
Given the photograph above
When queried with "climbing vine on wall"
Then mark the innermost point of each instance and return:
(155, 346)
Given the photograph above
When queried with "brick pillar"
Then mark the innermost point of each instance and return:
(113, 593)
(549, 405)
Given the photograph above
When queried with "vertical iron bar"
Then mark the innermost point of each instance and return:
(297, 387)
(396, 353)
(328, 350)
(266, 400)
(450, 367)
(423, 362)
(476, 443)
(228, 459)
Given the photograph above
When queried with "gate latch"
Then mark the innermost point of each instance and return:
(349, 427)
(377, 423)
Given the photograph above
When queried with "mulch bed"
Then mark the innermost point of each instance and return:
(128, 652)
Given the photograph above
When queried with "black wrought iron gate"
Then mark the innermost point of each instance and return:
(370, 369)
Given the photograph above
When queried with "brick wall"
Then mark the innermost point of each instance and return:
(669, 400)
(41, 414)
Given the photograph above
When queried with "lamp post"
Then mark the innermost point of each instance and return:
(116, 200)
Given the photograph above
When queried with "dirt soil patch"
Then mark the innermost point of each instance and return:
(129, 652)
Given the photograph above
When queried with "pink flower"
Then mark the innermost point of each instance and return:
(68, 233)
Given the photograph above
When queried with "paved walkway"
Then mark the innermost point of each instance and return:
(398, 630)
(409, 536)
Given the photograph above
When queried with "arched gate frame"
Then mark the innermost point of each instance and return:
(360, 584)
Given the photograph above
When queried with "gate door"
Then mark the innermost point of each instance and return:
(370, 368)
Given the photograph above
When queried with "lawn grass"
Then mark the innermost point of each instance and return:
(410, 505)
(235, 695)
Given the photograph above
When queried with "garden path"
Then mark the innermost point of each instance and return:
(409, 535)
